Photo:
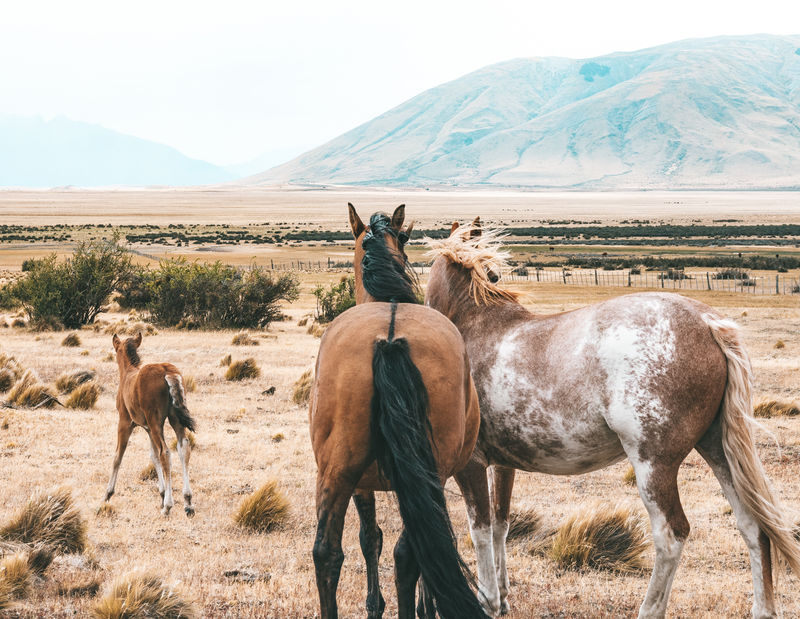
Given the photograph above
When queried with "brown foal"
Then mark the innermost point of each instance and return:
(147, 395)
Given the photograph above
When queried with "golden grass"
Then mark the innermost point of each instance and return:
(79, 586)
(39, 558)
(67, 381)
(629, 476)
(6, 596)
(302, 388)
(190, 436)
(143, 595)
(776, 408)
(84, 396)
(264, 509)
(601, 537)
(29, 392)
(244, 369)
(317, 329)
(148, 473)
(523, 524)
(19, 323)
(243, 338)
(278, 437)
(50, 519)
(28, 379)
(225, 361)
(16, 572)
(189, 383)
(780, 344)
(71, 340)
(7, 379)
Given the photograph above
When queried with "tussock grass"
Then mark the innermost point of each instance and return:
(629, 476)
(243, 338)
(225, 361)
(316, 329)
(7, 379)
(16, 573)
(67, 381)
(303, 321)
(84, 396)
(776, 408)
(601, 537)
(50, 519)
(79, 586)
(28, 379)
(148, 473)
(71, 341)
(523, 524)
(189, 435)
(106, 509)
(121, 327)
(189, 383)
(241, 370)
(780, 344)
(143, 595)
(19, 323)
(264, 509)
(278, 437)
(28, 392)
(39, 558)
(6, 598)
(302, 388)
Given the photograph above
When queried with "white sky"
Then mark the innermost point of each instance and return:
(228, 81)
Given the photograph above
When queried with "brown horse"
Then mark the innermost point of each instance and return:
(148, 395)
(393, 407)
(648, 376)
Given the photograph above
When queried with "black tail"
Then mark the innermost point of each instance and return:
(175, 383)
(401, 432)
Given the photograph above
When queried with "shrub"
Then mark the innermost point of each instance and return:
(143, 595)
(263, 510)
(83, 396)
(16, 573)
(335, 299)
(71, 341)
(243, 338)
(776, 408)
(731, 274)
(134, 292)
(72, 292)
(601, 537)
(68, 381)
(217, 295)
(50, 519)
(240, 370)
(302, 388)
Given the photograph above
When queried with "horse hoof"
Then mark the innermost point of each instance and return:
(189, 511)
(165, 511)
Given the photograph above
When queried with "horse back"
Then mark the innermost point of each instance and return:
(148, 393)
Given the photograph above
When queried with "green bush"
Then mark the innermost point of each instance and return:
(73, 291)
(335, 299)
(215, 295)
(134, 293)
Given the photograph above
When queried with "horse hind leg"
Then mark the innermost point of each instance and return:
(658, 489)
(184, 451)
(123, 435)
(406, 574)
(157, 466)
(758, 544)
(371, 538)
(159, 445)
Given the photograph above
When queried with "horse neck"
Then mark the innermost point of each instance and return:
(475, 320)
(126, 368)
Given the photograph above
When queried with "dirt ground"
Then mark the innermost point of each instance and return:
(238, 450)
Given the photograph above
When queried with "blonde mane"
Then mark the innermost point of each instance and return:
(479, 255)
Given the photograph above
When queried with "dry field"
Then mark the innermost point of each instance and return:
(238, 449)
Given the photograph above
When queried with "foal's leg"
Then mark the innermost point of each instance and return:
(333, 495)
(371, 538)
(124, 429)
(658, 487)
(184, 451)
(157, 466)
(758, 544)
(502, 483)
(162, 453)
(406, 574)
(475, 489)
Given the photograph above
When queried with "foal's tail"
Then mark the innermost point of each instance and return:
(738, 442)
(176, 394)
(401, 439)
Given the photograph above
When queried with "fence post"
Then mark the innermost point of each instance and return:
(564, 275)
(708, 280)
(271, 264)
(663, 273)
(595, 278)
(777, 285)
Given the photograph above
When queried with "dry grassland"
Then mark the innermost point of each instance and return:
(237, 452)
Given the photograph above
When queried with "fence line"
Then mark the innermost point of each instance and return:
(667, 280)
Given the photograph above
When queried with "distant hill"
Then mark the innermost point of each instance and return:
(707, 113)
(39, 153)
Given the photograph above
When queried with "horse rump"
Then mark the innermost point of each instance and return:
(177, 397)
(401, 437)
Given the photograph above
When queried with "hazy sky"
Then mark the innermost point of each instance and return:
(229, 81)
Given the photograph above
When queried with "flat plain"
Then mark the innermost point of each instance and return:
(246, 437)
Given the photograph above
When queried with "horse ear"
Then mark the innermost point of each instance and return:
(453, 227)
(115, 341)
(356, 225)
(138, 339)
(398, 216)
(409, 228)
(476, 228)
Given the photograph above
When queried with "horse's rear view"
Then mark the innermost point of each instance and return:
(392, 378)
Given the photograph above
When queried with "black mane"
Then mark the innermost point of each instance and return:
(386, 276)
(131, 352)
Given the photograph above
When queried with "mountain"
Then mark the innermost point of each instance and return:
(39, 153)
(707, 113)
